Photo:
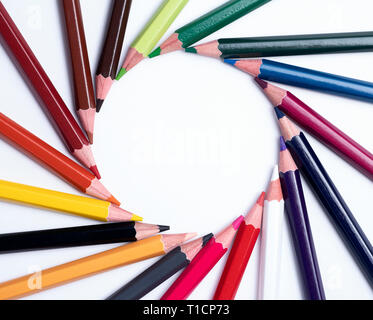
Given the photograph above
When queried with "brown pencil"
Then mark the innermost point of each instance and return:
(84, 94)
(108, 66)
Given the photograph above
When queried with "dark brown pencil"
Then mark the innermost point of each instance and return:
(108, 65)
(84, 94)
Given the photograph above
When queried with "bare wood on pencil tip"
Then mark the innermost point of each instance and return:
(170, 241)
(274, 192)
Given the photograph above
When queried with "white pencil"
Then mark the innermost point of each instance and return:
(271, 240)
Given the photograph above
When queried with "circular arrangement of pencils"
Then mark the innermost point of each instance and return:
(262, 226)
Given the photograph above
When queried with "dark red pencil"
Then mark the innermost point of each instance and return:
(83, 85)
(64, 121)
(325, 131)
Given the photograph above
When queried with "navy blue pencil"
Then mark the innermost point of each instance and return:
(296, 210)
(305, 78)
(311, 167)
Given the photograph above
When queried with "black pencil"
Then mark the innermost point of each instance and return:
(160, 271)
(311, 167)
(78, 236)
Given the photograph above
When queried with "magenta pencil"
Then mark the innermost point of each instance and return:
(321, 128)
(201, 265)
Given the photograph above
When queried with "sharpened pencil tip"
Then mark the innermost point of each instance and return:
(261, 198)
(282, 144)
(113, 200)
(90, 137)
(99, 104)
(155, 53)
(230, 61)
(191, 50)
(163, 228)
(261, 83)
(135, 217)
(206, 238)
(279, 113)
(95, 172)
(121, 73)
(236, 223)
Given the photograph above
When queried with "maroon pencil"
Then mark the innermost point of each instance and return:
(64, 122)
(325, 131)
(84, 94)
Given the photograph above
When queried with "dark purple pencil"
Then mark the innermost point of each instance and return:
(300, 227)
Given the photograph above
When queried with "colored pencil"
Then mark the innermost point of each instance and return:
(93, 264)
(325, 131)
(207, 24)
(203, 262)
(85, 102)
(239, 256)
(65, 202)
(296, 209)
(57, 162)
(271, 240)
(254, 47)
(160, 271)
(62, 118)
(305, 78)
(152, 33)
(309, 164)
(110, 55)
(78, 236)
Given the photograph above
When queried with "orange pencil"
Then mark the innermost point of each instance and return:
(99, 262)
(57, 162)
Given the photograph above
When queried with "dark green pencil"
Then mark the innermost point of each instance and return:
(207, 24)
(286, 45)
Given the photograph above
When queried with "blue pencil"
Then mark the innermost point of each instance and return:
(305, 78)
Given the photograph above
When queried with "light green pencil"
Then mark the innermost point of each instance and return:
(152, 33)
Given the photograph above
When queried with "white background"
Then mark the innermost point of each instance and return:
(188, 141)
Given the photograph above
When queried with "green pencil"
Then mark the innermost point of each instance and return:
(152, 33)
(207, 24)
(253, 47)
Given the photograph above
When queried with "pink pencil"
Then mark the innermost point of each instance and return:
(201, 265)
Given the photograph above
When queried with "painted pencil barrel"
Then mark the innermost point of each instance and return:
(84, 95)
(158, 25)
(152, 277)
(316, 80)
(68, 237)
(196, 271)
(69, 129)
(295, 45)
(270, 250)
(301, 231)
(325, 131)
(110, 56)
(83, 267)
(241, 251)
(216, 19)
(310, 165)
(83, 206)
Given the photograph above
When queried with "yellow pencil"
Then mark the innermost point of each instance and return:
(60, 201)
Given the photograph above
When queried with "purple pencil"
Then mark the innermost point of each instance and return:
(300, 227)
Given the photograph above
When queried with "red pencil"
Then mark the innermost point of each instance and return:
(325, 131)
(203, 262)
(240, 254)
(66, 168)
(64, 121)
